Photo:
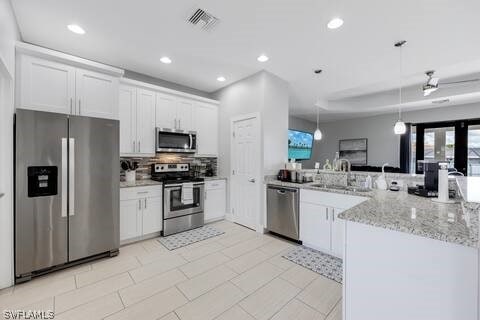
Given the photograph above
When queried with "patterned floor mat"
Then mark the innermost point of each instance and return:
(183, 239)
(319, 262)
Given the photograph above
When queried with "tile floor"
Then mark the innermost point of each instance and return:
(238, 275)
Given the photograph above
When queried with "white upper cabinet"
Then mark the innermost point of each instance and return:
(137, 121)
(174, 113)
(185, 115)
(206, 125)
(128, 119)
(166, 111)
(97, 94)
(145, 121)
(45, 85)
(56, 82)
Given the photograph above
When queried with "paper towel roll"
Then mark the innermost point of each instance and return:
(443, 184)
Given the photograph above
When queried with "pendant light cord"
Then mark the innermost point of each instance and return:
(401, 83)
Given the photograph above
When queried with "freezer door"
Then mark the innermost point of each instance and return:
(94, 191)
(40, 190)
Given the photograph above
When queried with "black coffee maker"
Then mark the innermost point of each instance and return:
(430, 182)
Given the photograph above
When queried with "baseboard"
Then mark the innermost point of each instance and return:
(141, 238)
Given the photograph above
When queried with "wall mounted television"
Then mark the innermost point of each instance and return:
(300, 144)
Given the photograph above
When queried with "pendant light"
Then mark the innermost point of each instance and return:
(400, 127)
(317, 135)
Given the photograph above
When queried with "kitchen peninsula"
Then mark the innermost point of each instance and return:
(406, 253)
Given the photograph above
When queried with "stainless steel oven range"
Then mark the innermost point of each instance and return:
(183, 197)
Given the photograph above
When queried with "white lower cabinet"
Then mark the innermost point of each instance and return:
(320, 227)
(140, 212)
(338, 232)
(315, 229)
(215, 200)
(152, 215)
(130, 219)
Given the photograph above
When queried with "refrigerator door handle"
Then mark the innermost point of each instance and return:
(64, 176)
(71, 181)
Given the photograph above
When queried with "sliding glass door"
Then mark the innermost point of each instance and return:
(454, 142)
(473, 168)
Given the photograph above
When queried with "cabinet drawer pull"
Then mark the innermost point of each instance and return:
(142, 192)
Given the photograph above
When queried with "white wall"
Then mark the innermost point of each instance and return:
(242, 97)
(8, 35)
(383, 144)
(164, 83)
(275, 123)
(266, 94)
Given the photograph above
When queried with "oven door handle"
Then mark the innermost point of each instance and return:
(191, 141)
(179, 185)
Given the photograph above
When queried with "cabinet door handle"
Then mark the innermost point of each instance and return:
(139, 204)
(179, 123)
(133, 145)
(71, 105)
(333, 214)
(326, 214)
(79, 107)
(145, 203)
(138, 146)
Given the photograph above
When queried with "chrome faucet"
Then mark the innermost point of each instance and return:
(349, 171)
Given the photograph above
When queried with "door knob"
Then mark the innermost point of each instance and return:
(252, 180)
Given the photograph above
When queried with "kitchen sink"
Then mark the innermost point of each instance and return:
(359, 189)
(329, 186)
(341, 187)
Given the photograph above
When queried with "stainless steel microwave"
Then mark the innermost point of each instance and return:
(175, 141)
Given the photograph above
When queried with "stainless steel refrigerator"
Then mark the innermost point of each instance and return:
(66, 190)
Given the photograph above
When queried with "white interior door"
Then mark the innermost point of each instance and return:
(246, 169)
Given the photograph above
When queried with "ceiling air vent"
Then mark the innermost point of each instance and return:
(203, 20)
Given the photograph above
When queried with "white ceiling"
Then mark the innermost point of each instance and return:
(358, 59)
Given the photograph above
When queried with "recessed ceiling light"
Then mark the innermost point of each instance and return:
(221, 79)
(335, 23)
(166, 60)
(76, 29)
(263, 58)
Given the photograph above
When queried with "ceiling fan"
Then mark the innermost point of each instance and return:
(433, 83)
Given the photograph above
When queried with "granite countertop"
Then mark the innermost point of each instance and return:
(399, 211)
(140, 183)
(150, 182)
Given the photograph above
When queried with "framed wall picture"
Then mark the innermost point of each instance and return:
(354, 150)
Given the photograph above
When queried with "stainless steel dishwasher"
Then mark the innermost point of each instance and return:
(283, 211)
